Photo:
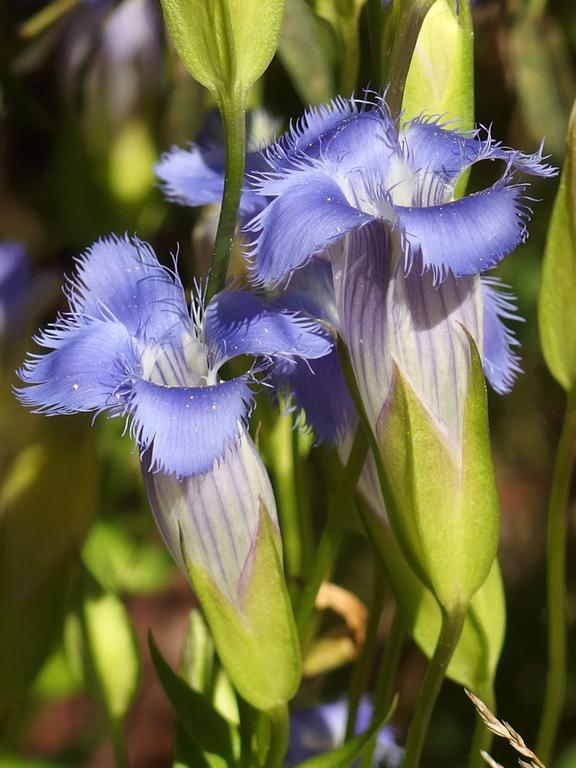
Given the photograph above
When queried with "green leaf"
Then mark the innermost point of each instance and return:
(344, 756)
(478, 651)
(112, 662)
(207, 729)
(225, 44)
(441, 76)
(120, 563)
(443, 489)
(556, 315)
(47, 503)
(16, 761)
(302, 52)
(188, 755)
(258, 645)
(344, 17)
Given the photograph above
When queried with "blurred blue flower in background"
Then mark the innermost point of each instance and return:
(14, 282)
(321, 729)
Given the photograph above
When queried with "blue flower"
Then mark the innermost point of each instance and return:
(349, 165)
(131, 346)
(14, 281)
(195, 176)
(321, 729)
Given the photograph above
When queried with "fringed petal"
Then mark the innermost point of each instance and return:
(242, 323)
(311, 214)
(319, 390)
(431, 146)
(187, 428)
(121, 279)
(466, 236)
(83, 370)
(501, 363)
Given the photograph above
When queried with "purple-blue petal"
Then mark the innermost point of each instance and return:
(195, 176)
(469, 235)
(501, 363)
(242, 323)
(121, 278)
(308, 217)
(187, 428)
(448, 153)
(82, 372)
(320, 391)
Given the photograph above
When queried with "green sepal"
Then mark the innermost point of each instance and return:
(476, 657)
(441, 76)
(344, 756)
(444, 508)
(556, 315)
(208, 731)
(225, 44)
(257, 643)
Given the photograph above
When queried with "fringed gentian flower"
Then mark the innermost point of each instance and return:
(130, 346)
(346, 166)
(378, 203)
(321, 729)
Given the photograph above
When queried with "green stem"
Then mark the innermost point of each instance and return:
(234, 121)
(556, 584)
(118, 743)
(246, 731)
(283, 455)
(279, 731)
(330, 539)
(362, 668)
(452, 624)
(384, 688)
(409, 24)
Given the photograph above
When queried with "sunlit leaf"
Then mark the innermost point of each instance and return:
(557, 318)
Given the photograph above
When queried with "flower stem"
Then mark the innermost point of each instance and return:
(556, 583)
(332, 533)
(234, 121)
(384, 688)
(452, 624)
(279, 731)
(410, 22)
(362, 668)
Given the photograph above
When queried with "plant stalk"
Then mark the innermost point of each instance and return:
(556, 584)
(330, 539)
(279, 731)
(452, 624)
(410, 22)
(234, 121)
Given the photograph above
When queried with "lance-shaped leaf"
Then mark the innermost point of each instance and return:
(225, 44)
(441, 77)
(445, 508)
(47, 503)
(556, 302)
(221, 529)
